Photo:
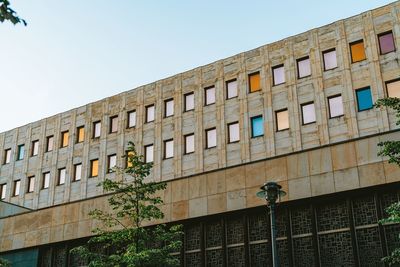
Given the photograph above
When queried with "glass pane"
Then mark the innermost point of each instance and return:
(304, 67)
(132, 119)
(169, 149)
(17, 185)
(50, 143)
(169, 108)
(279, 75)
(210, 95)
(211, 138)
(308, 113)
(64, 137)
(149, 153)
(62, 176)
(234, 132)
(282, 118)
(81, 134)
(78, 172)
(8, 156)
(114, 125)
(257, 126)
(254, 80)
(330, 60)
(150, 114)
(189, 102)
(35, 149)
(189, 142)
(336, 106)
(94, 170)
(357, 52)
(386, 43)
(46, 180)
(21, 151)
(97, 129)
(112, 162)
(393, 89)
(31, 184)
(364, 99)
(3, 191)
(231, 89)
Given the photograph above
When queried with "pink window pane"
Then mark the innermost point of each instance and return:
(386, 43)
(304, 67)
(330, 60)
(279, 75)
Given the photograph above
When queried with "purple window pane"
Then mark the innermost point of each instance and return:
(386, 43)
(279, 75)
(330, 61)
(304, 67)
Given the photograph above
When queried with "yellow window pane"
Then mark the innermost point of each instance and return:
(128, 163)
(393, 89)
(81, 134)
(94, 168)
(65, 136)
(254, 80)
(357, 52)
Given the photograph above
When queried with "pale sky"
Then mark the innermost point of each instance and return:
(74, 52)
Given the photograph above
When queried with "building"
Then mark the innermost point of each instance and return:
(298, 111)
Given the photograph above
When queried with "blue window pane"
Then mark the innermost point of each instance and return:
(257, 127)
(364, 99)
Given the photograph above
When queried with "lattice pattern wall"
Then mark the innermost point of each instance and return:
(340, 231)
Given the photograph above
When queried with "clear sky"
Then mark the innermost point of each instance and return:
(78, 51)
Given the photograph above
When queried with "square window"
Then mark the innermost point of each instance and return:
(46, 180)
(77, 172)
(21, 152)
(111, 162)
(189, 101)
(49, 143)
(393, 88)
(282, 120)
(233, 132)
(64, 139)
(308, 112)
(114, 124)
(335, 106)
(357, 51)
(17, 187)
(254, 82)
(364, 99)
(303, 67)
(278, 74)
(168, 149)
(231, 89)
(96, 129)
(7, 156)
(61, 176)
(131, 118)
(150, 113)
(211, 135)
(35, 148)
(189, 143)
(31, 184)
(386, 42)
(257, 126)
(330, 59)
(94, 168)
(3, 190)
(80, 134)
(149, 153)
(168, 108)
(209, 95)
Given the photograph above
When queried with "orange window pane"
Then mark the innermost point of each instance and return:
(94, 168)
(81, 134)
(128, 162)
(254, 81)
(64, 136)
(357, 51)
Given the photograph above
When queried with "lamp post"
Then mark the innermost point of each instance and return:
(271, 191)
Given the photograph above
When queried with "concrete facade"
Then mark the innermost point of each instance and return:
(329, 156)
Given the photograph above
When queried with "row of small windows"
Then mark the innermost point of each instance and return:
(363, 96)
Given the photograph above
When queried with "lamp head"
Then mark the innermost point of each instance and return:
(271, 191)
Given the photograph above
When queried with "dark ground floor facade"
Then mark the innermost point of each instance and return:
(336, 230)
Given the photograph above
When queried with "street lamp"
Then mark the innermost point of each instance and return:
(271, 192)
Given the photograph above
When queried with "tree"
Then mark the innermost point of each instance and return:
(121, 239)
(391, 149)
(6, 13)
(4, 263)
